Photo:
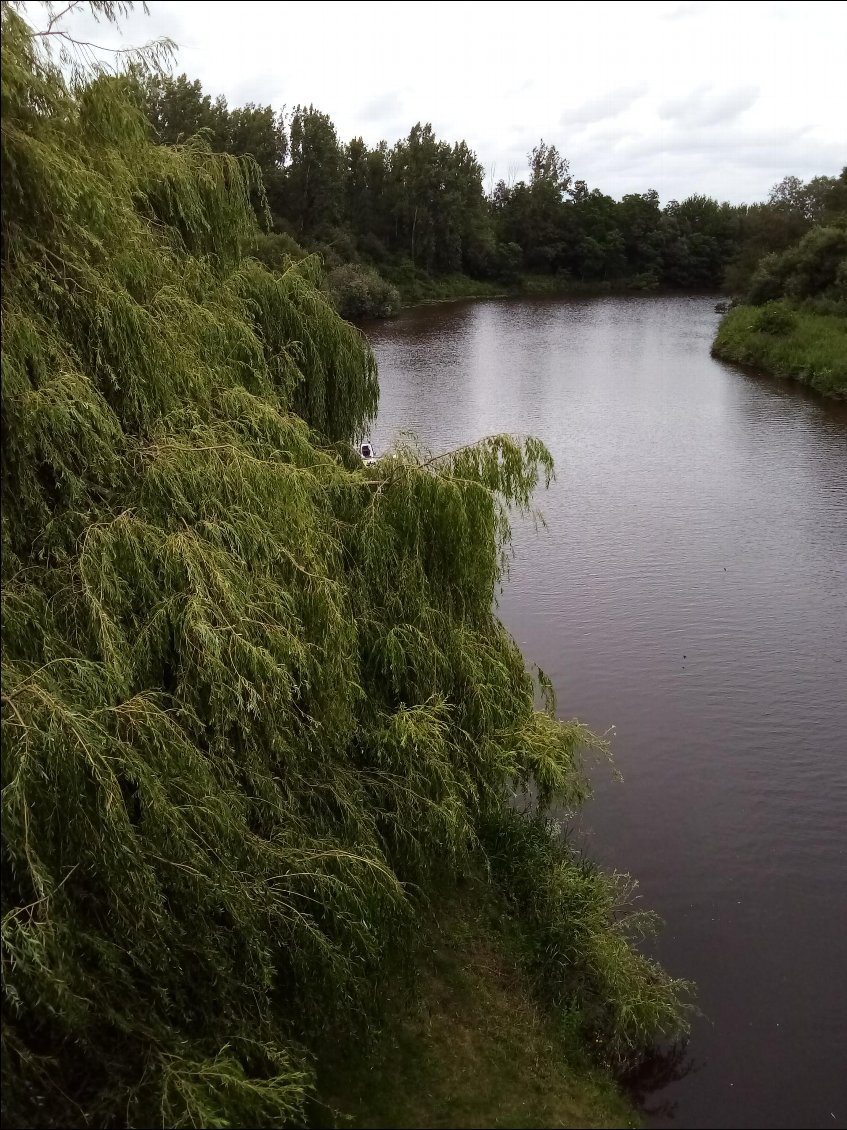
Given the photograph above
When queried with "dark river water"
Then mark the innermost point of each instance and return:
(690, 590)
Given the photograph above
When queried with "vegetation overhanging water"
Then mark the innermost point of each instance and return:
(257, 710)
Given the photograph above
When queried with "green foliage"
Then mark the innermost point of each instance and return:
(359, 292)
(814, 268)
(417, 211)
(585, 237)
(221, 1092)
(255, 698)
(794, 321)
(817, 201)
(793, 208)
(580, 925)
(178, 109)
(775, 318)
(797, 343)
(312, 190)
(277, 251)
(417, 286)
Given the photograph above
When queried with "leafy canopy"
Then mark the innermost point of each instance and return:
(255, 698)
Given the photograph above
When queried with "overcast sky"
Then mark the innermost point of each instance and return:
(721, 98)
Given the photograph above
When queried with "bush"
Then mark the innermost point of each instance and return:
(277, 251)
(328, 256)
(768, 282)
(646, 281)
(814, 267)
(337, 245)
(508, 260)
(776, 318)
(359, 292)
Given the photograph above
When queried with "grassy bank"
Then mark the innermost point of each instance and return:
(417, 288)
(562, 285)
(471, 1046)
(789, 343)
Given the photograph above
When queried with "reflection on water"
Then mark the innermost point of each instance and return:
(691, 589)
(647, 1085)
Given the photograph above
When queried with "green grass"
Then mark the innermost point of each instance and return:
(810, 347)
(562, 285)
(418, 288)
(472, 1048)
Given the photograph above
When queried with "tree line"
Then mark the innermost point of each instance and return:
(419, 207)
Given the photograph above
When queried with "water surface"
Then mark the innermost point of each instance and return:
(691, 590)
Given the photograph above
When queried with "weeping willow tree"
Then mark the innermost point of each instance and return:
(254, 696)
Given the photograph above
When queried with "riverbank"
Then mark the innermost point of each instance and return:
(417, 288)
(788, 343)
(471, 1046)
(365, 290)
(426, 290)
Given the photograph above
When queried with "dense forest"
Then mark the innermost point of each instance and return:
(415, 216)
(259, 716)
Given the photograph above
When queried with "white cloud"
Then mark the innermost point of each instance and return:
(384, 106)
(609, 104)
(707, 106)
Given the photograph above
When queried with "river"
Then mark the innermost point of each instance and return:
(691, 591)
